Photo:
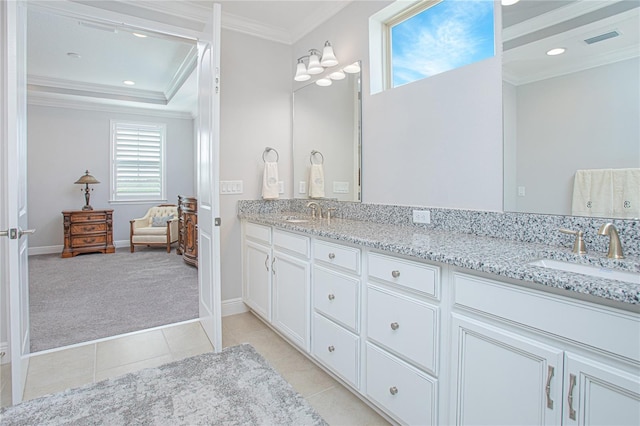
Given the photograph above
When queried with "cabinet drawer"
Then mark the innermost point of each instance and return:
(86, 228)
(258, 232)
(406, 326)
(336, 296)
(88, 217)
(337, 255)
(291, 242)
(336, 347)
(404, 392)
(416, 276)
(88, 240)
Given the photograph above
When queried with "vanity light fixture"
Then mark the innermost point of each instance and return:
(337, 75)
(352, 68)
(324, 82)
(556, 51)
(315, 63)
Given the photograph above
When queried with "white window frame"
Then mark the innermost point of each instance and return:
(119, 197)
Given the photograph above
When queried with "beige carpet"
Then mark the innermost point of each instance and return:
(92, 296)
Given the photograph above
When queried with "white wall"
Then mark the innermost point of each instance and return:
(255, 113)
(585, 120)
(64, 142)
(436, 142)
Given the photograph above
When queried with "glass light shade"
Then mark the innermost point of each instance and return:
(87, 179)
(314, 66)
(324, 82)
(353, 68)
(301, 72)
(337, 75)
(328, 57)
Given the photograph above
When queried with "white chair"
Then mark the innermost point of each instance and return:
(159, 227)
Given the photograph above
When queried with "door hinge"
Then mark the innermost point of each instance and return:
(13, 233)
(217, 221)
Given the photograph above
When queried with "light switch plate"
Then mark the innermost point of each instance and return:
(231, 187)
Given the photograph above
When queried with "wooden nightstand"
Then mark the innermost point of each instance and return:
(87, 231)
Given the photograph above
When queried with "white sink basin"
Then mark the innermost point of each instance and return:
(293, 220)
(594, 271)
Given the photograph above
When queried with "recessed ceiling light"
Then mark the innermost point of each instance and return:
(509, 2)
(129, 82)
(556, 51)
(74, 55)
(140, 35)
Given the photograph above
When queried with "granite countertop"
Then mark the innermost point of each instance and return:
(504, 258)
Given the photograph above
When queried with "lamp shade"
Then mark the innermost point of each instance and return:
(324, 82)
(87, 179)
(328, 57)
(314, 66)
(337, 75)
(301, 72)
(353, 68)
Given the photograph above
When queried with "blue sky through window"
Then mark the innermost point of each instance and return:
(449, 35)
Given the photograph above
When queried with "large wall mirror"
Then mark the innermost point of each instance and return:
(327, 140)
(573, 111)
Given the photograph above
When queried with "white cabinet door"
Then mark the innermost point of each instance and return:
(501, 378)
(291, 282)
(598, 394)
(257, 278)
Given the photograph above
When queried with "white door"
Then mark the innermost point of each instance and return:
(208, 182)
(598, 394)
(13, 218)
(502, 378)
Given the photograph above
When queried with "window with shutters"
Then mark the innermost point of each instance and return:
(137, 161)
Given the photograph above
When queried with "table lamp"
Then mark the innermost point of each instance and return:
(85, 180)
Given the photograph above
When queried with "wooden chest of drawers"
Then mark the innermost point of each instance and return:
(87, 231)
(188, 229)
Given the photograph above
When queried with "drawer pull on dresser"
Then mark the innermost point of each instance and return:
(395, 326)
(395, 274)
(393, 390)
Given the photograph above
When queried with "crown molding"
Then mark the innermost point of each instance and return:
(182, 74)
(43, 99)
(254, 28)
(307, 25)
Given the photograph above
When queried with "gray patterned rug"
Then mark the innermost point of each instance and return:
(234, 387)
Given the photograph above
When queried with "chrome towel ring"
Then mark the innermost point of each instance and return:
(313, 155)
(266, 152)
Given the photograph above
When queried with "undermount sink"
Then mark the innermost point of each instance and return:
(294, 220)
(594, 271)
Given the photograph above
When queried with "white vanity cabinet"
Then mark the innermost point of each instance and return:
(336, 305)
(257, 269)
(291, 282)
(403, 335)
(524, 357)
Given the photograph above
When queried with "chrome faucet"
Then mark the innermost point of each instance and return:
(615, 247)
(314, 207)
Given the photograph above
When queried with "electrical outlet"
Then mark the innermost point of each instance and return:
(302, 187)
(280, 187)
(421, 216)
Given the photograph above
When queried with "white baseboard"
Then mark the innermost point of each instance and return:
(233, 306)
(58, 249)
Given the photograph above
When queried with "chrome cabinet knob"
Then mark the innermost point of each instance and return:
(331, 296)
(395, 274)
(395, 326)
(393, 390)
(332, 256)
(331, 348)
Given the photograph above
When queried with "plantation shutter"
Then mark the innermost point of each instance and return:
(138, 161)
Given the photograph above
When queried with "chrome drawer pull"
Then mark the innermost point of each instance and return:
(331, 348)
(393, 390)
(395, 326)
(331, 296)
(572, 384)
(332, 256)
(395, 274)
(548, 387)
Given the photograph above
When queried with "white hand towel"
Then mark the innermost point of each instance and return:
(593, 193)
(316, 181)
(626, 193)
(270, 181)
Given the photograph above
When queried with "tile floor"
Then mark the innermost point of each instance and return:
(76, 366)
